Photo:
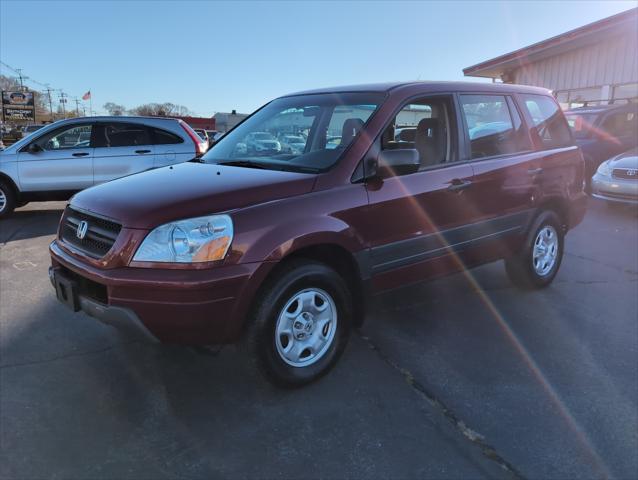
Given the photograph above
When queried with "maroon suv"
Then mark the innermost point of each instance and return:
(387, 185)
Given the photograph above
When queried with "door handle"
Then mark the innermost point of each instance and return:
(535, 171)
(142, 151)
(80, 154)
(458, 185)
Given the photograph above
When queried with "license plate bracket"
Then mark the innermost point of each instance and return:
(66, 290)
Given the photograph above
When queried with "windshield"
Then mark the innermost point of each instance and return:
(581, 124)
(310, 121)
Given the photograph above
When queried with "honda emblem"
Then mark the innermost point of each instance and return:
(83, 226)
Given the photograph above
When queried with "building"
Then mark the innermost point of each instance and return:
(226, 121)
(205, 123)
(595, 64)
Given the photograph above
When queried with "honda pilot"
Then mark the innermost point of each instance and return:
(280, 250)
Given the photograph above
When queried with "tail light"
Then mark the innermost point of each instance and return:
(201, 145)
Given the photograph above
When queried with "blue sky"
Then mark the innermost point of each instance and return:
(218, 56)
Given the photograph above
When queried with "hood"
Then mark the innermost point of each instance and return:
(625, 160)
(186, 190)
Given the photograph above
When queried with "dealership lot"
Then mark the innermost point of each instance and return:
(462, 377)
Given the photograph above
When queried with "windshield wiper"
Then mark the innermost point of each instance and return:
(244, 163)
(270, 166)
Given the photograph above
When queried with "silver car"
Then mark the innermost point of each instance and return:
(71, 155)
(616, 179)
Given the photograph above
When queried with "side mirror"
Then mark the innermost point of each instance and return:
(34, 148)
(393, 163)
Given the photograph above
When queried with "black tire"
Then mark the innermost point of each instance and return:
(261, 340)
(521, 267)
(8, 194)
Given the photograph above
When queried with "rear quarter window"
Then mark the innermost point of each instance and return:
(551, 127)
(162, 137)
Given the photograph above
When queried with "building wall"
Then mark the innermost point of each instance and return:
(226, 121)
(595, 70)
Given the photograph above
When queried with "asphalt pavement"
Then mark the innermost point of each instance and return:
(463, 377)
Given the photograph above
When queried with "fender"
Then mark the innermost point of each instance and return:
(9, 170)
(273, 244)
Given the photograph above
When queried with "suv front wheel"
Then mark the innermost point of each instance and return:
(537, 263)
(301, 323)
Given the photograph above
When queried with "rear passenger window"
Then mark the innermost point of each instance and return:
(493, 129)
(162, 137)
(125, 135)
(551, 126)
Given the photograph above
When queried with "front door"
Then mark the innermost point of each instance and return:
(63, 163)
(122, 149)
(417, 222)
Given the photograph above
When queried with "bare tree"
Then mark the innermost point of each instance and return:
(166, 109)
(114, 108)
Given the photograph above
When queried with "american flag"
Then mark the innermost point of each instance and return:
(87, 95)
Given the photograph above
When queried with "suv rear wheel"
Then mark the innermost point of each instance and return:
(7, 199)
(537, 263)
(301, 324)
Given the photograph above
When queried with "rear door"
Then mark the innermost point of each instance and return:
(65, 162)
(122, 149)
(506, 171)
(171, 148)
(560, 161)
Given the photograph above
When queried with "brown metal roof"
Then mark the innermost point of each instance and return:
(578, 37)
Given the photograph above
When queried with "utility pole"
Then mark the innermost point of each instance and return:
(77, 106)
(63, 102)
(21, 77)
(49, 90)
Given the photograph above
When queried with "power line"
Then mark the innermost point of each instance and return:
(47, 87)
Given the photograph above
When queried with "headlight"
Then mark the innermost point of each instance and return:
(604, 169)
(202, 239)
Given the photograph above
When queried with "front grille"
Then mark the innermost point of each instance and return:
(626, 173)
(100, 233)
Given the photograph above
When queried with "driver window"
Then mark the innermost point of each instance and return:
(78, 136)
(424, 125)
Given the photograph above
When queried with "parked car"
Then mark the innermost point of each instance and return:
(280, 251)
(202, 133)
(262, 143)
(70, 155)
(603, 131)
(213, 136)
(616, 179)
(292, 143)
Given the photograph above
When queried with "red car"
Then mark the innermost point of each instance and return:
(280, 250)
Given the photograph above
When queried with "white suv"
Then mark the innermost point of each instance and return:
(71, 155)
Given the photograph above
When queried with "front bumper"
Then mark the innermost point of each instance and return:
(614, 189)
(192, 307)
(123, 319)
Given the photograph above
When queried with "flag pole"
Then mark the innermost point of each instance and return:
(90, 103)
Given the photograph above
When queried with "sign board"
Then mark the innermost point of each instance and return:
(18, 106)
